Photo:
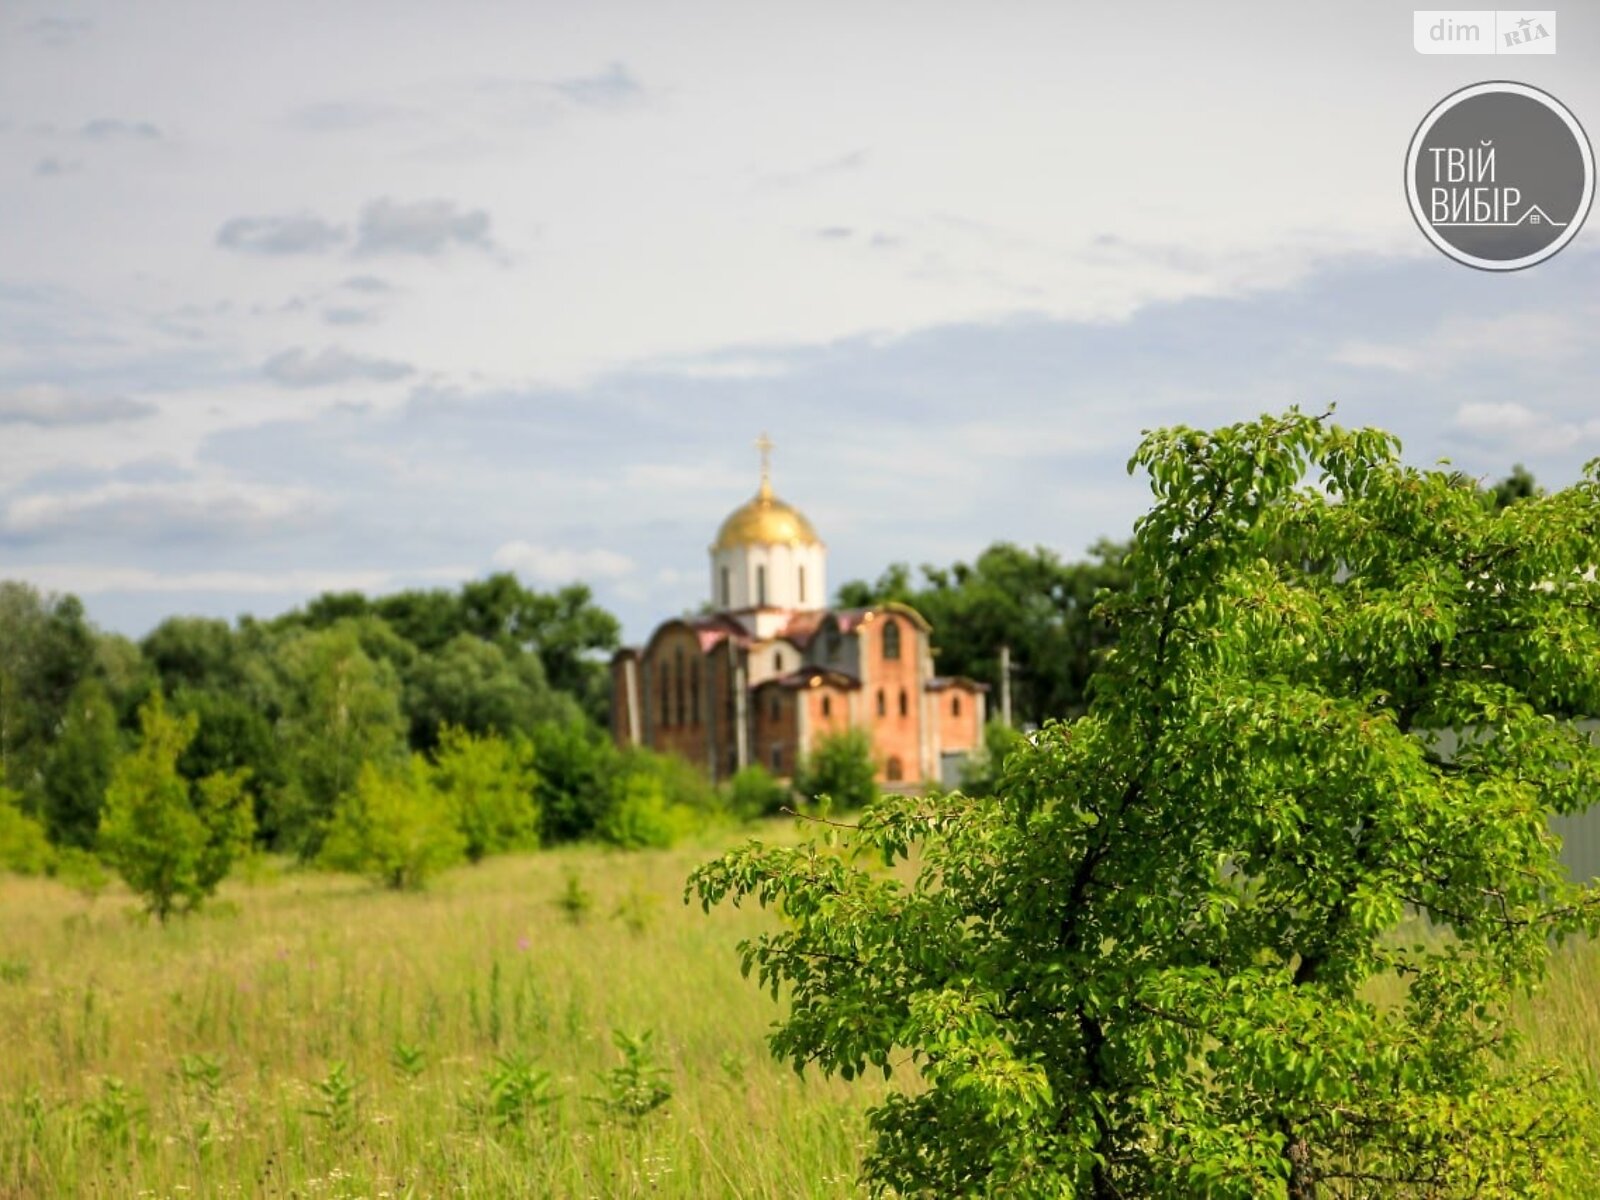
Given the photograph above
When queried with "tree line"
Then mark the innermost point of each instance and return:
(396, 734)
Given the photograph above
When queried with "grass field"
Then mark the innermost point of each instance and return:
(314, 1038)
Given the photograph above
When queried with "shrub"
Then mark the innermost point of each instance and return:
(840, 767)
(489, 781)
(754, 792)
(642, 817)
(23, 846)
(577, 768)
(394, 827)
(171, 841)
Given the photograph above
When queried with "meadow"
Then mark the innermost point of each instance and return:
(310, 1036)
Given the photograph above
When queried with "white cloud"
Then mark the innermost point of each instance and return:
(161, 511)
(89, 580)
(298, 233)
(1464, 343)
(1518, 430)
(420, 227)
(103, 129)
(52, 407)
(301, 368)
(545, 564)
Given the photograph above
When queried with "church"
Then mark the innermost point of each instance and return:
(768, 669)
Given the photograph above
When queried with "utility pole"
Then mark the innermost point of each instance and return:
(1005, 685)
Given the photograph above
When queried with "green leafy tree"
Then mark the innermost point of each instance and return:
(195, 652)
(342, 712)
(489, 782)
(394, 826)
(46, 648)
(578, 768)
(172, 842)
(79, 768)
(481, 687)
(564, 631)
(840, 766)
(1519, 485)
(234, 734)
(1176, 954)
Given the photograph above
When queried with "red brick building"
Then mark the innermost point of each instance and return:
(759, 679)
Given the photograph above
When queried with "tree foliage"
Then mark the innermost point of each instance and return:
(172, 841)
(46, 647)
(78, 769)
(1252, 926)
(489, 782)
(341, 712)
(841, 767)
(24, 848)
(394, 826)
(1030, 600)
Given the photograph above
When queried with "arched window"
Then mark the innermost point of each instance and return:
(761, 587)
(827, 706)
(905, 703)
(727, 589)
(682, 711)
(666, 696)
(955, 706)
(883, 706)
(777, 660)
(777, 758)
(694, 693)
(895, 771)
(891, 639)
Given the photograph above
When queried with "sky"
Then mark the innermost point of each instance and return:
(297, 297)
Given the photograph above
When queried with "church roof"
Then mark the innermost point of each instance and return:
(812, 677)
(849, 618)
(713, 630)
(802, 627)
(764, 520)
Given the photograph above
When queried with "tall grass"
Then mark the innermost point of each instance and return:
(315, 1038)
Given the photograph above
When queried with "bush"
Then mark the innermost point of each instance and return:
(754, 792)
(840, 767)
(577, 769)
(23, 847)
(394, 827)
(642, 817)
(171, 841)
(489, 782)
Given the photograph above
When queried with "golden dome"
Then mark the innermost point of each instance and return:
(765, 520)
